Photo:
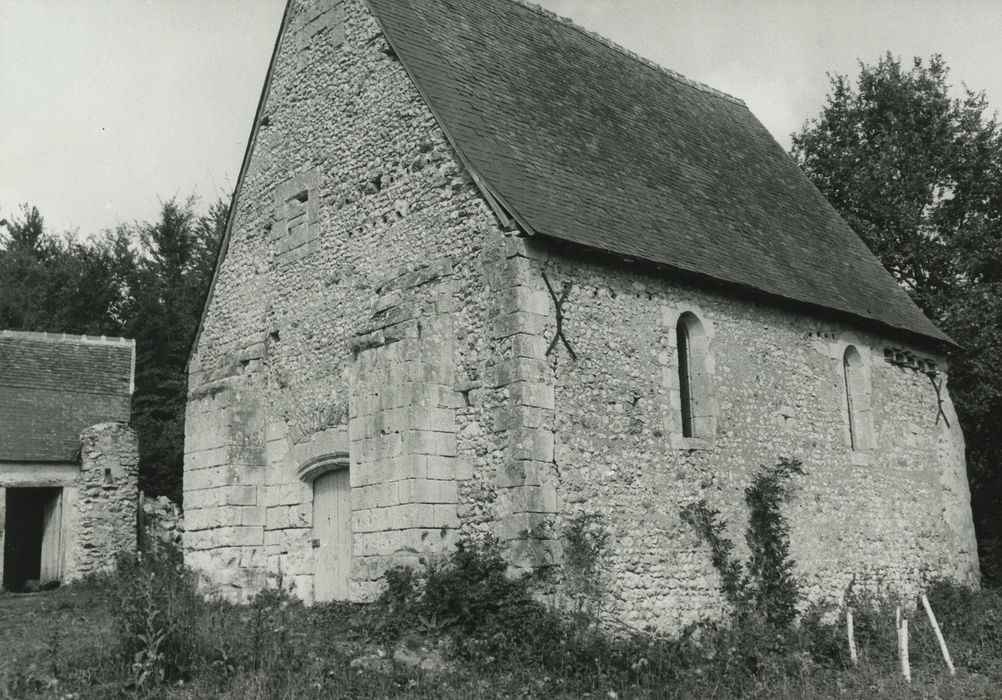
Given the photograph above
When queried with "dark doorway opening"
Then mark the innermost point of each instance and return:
(32, 551)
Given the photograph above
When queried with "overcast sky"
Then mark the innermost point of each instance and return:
(109, 106)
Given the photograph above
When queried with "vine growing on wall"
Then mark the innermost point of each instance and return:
(710, 527)
(585, 569)
(770, 570)
(766, 586)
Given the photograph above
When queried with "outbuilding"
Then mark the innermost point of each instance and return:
(68, 458)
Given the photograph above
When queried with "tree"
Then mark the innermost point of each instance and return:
(144, 281)
(62, 285)
(918, 174)
(171, 280)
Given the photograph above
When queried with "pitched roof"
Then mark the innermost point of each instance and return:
(579, 140)
(54, 386)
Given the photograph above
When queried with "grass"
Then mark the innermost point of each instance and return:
(46, 637)
(141, 634)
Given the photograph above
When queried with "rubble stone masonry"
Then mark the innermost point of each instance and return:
(99, 511)
(372, 313)
(888, 515)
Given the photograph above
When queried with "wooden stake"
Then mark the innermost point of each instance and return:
(897, 629)
(906, 667)
(939, 635)
(141, 524)
(850, 632)
(902, 623)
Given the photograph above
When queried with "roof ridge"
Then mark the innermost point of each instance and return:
(674, 75)
(68, 338)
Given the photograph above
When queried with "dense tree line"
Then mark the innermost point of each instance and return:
(145, 281)
(918, 174)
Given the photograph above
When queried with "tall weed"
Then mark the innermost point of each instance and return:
(156, 605)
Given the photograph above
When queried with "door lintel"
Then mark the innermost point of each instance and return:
(320, 465)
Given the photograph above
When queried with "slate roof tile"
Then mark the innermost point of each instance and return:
(584, 142)
(53, 386)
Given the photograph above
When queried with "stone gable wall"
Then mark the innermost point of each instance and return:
(349, 307)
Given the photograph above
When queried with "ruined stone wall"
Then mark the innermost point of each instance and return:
(890, 514)
(347, 320)
(163, 522)
(99, 509)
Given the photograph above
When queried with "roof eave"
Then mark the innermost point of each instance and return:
(941, 342)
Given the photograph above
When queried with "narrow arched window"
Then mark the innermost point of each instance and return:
(857, 400)
(692, 389)
(684, 378)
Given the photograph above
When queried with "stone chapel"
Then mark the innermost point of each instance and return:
(486, 271)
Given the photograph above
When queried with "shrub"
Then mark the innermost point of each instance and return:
(279, 649)
(875, 631)
(472, 590)
(397, 608)
(707, 523)
(468, 595)
(971, 622)
(825, 642)
(494, 619)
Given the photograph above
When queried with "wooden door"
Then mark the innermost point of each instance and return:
(332, 532)
(52, 540)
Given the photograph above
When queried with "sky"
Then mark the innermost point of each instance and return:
(109, 107)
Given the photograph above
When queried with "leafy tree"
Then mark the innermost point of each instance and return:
(918, 174)
(171, 280)
(62, 285)
(145, 281)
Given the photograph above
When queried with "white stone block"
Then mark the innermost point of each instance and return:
(441, 467)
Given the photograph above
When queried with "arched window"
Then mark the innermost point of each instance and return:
(857, 400)
(692, 377)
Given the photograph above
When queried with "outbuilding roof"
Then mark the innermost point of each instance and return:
(577, 139)
(54, 386)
